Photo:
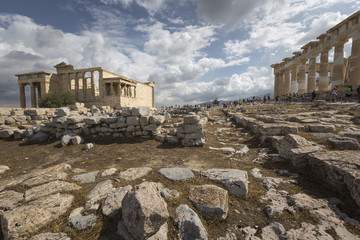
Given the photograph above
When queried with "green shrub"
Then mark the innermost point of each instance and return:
(56, 99)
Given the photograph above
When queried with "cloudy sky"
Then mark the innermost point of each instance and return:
(194, 50)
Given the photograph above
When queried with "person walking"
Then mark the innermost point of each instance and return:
(313, 95)
(333, 95)
(358, 93)
(348, 93)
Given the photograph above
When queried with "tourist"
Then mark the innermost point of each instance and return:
(276, 99)
(358, 92)
(333, 95)
(264, 99)
(313, 95)
(348, 93)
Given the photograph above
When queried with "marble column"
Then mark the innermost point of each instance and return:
(294, 78)
(84, 80)
(281, 84)
(302, 78)
(92, 84)
(354, 70)
(112, 92)
(33, 95)
(76, 86)
(311, 86)
(287, 81)
(338, 68)
(323, 74)
(22, 96)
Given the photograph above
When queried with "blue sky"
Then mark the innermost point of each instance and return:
(194, 50)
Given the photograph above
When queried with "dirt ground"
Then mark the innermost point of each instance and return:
(243, 211)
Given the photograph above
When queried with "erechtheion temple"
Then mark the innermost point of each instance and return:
(92, 86)
(302, 73)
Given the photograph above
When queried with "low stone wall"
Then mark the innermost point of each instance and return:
(125, 123)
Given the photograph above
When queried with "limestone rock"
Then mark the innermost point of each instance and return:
(234, 180)
(44, 178)
(63, 112)
(134, 173)
(113, 202)
(322, 128)
(79, 221)
(167, 194)
(28, 218)
(9, 199)
(224, 149)
(51, 236)
(71, 138)
(144, 211)
(177, 174)
(3, 168)
(160, 235)
(189, 224)
(210, 200)
(49, 188)
(86, 177)
(339, 169)
(101, 190)
(89, 146)
(108, 172)
(344, 143)
(274, 231)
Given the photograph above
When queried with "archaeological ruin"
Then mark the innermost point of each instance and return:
(91, 86)
(306, 71)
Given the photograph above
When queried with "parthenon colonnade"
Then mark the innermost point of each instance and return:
(303, 74)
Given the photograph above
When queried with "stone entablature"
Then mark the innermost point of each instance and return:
(92, 86)
(290, 74)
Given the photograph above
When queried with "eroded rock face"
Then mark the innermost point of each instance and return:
(28, 218)
(113, 202)
(144, 211)
(210, 200)
(9, 199)
(189, 224)
(101, 190)
(339, 169)
(86, 177)
(234, 180)
(49, 188)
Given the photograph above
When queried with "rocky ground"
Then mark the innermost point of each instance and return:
(237, 186)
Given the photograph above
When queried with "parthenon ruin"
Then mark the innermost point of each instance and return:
(92, 86)
(301, 73)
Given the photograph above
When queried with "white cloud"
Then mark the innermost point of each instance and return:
(152, 6)
(254, 82)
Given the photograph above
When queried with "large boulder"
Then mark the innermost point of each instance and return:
(210, 200)
(144, 211)
(71, 138)
(234, 180)
(22, 221)
(189, 224)
(295, 148)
